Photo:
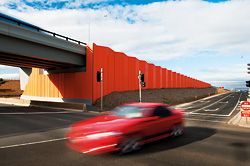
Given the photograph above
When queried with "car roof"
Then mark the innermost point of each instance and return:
(144, 104)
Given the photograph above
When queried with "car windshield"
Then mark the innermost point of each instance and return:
(129, 111)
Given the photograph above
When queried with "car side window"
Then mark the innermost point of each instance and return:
(162, 112)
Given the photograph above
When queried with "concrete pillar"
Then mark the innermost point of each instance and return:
(24, 76)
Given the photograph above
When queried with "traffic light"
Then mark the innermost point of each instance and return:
(142, 77)
(248, 83)
(98, 76)
(143, 84)
(248, 68)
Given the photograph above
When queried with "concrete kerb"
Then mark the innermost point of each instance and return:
(238, 120)
(27, 103)
(14, 101)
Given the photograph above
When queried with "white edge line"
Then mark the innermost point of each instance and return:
(194, 113)
(180, 106)
(235, 106)
(211, 110)
(214, 121)
(32, 143)
(218, 114)
(211, 104)
(35, 113)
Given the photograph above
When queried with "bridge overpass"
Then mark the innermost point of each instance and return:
(26, 45)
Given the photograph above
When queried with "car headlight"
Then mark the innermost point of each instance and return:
(101, 135)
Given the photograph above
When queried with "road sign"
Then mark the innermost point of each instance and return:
(245, 113)
(245, 105)
(245, 109)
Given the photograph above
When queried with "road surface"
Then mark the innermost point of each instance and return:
(35, 136)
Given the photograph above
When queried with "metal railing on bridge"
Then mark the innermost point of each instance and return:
(36, 28)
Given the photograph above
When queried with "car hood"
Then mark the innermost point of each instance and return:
(103, 124)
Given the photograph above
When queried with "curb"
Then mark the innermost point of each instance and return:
(237, 120)
(27, 103)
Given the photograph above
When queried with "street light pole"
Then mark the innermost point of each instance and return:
(101, 88)
(139, 80)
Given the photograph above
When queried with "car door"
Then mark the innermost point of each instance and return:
(160, 125)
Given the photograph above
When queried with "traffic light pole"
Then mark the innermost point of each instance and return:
(101, 88)
(248, 82)
(139, 80)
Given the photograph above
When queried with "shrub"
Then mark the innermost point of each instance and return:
(2, 81)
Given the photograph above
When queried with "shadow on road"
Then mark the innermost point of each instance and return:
(240, 151)
(192, 134)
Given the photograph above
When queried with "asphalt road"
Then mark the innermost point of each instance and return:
(35, 136)
(220, 108)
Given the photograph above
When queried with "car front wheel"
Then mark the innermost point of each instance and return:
(130, 144)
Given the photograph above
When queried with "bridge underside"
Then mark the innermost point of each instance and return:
(22, 47)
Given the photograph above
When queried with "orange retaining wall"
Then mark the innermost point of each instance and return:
(120, 74)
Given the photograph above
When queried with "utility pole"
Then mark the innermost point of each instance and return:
(101, 88)
(99, 78)
(248, 82)
(139, 80)
(141, 83)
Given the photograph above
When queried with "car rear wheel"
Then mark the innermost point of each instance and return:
(177, 130)
(130, 144)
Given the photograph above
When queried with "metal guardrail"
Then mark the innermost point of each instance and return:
(30, 26)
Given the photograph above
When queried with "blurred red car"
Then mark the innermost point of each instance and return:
(126, 128)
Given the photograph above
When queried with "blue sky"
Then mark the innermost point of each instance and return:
(208, 40)
(60, 4)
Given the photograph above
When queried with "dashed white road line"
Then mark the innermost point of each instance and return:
(211, 104)
(203, 101)
(31, 143)
(222, 102)
(237, 104)
(182, 106)
(34, 113)
(214, 121)
(212, 110)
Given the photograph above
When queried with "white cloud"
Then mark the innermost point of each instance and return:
(231, 73)
(14, 76)
(3, 67)
(158, 31)
(77, 3)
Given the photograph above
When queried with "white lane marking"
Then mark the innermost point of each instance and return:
(212, 110)
(32, 143)
(222, 102)
(237, 104)
(211, 104)
(202, 120)
(34, 113)
(180, 106)
(204, 101)
(195, 113)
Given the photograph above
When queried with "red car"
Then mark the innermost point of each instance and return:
(126, 128)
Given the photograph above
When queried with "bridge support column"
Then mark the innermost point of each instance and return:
(24, 77)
